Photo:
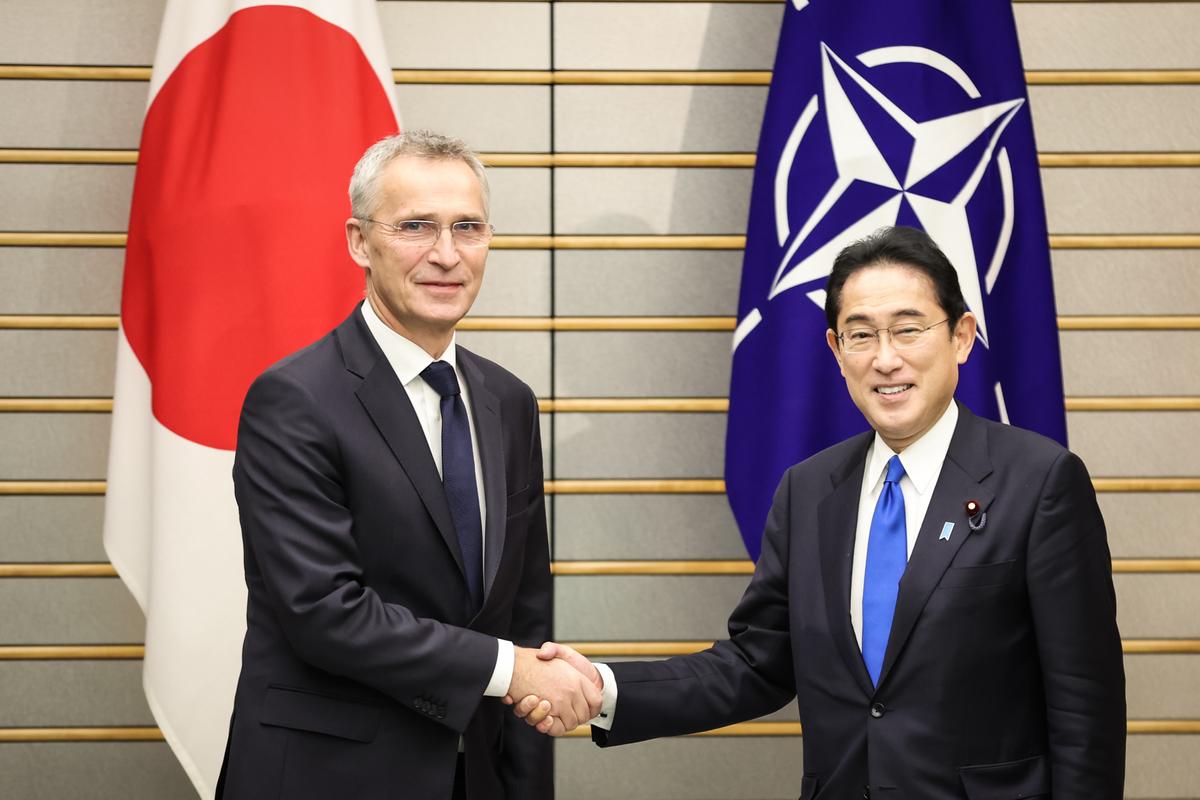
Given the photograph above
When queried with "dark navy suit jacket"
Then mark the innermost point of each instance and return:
(363, 664)
(1003, 675)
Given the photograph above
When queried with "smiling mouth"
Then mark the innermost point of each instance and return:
(892, 391)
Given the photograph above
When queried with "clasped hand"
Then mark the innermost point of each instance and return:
(559, 688)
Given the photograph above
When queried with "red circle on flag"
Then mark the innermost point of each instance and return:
(236, 253)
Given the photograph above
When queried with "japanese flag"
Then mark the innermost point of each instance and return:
(236, 256)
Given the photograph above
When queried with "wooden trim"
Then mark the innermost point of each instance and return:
(51, 487)
(64, 156)
(665, 649)
(1151, 566)
(1147, 322)
(59, 322)
(1122, 485)
(1160, 646)
(618, 405)
(1112, 160)
(692, 568)
(741, 160)
(637, 486)
(77, 652)
(66, 405)
(122, 734)
(618, 486)
(58, 570)
(68, 72)
(627, 405)
(1163, 403)
(153, 734)
(745, 567)
(1133, 726)
(644, 649)
(1124, 241)
(1062, 241)
(1098, 77)
(63, 239)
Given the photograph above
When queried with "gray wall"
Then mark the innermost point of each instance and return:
(1126, 440)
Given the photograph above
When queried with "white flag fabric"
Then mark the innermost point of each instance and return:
(236, 256)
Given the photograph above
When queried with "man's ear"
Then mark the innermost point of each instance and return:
(831, 340)
(356, 243)
(964, 336)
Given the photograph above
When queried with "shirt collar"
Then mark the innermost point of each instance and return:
(922, 459)
(408, 359)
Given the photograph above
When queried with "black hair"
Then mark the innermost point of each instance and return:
(903, 247)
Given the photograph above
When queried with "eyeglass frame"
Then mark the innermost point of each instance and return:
(393, 227)
(876, 340)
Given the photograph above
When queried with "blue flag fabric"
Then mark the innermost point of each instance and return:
(887, 112)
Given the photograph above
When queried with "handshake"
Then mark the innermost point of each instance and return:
(554, 689)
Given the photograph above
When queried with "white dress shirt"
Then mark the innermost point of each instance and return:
(409, 360)
(922, 462)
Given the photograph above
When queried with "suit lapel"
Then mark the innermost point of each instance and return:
(387, 403)
(485, 408)
(837, 517)
(966, 464)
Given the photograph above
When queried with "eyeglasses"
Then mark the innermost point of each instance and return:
(904, 336)
(426, 232)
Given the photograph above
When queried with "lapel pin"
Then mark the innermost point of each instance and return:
(947, 529)
(976, 516)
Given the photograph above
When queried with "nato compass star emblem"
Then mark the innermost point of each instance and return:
(888, 164)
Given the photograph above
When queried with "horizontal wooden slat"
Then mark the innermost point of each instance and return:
(122, 734)
(745, 567)
(51, 487)
(1072, 241)
(1133, 726)
(1147, 322)
(622, 405)
(684, 567)
(1099, 77)
(619, 486)
(58, 570)
(608, 160)
(645, 649)
(151, 734)
(648, 649)
(636, 486)
(69, 405)
(78, 652)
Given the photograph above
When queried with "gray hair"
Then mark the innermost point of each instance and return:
(364, 183)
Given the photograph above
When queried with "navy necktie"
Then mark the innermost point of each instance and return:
(887, 555)
(458, 474)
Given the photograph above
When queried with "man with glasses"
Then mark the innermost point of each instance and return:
(389, 484)
(937, 592)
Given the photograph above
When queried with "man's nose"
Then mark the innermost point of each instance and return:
(887, 357)
(444, 250)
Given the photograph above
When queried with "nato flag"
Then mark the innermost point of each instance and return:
(887, 112)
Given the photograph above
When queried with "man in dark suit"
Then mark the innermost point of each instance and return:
(389, 485)
(937, 592)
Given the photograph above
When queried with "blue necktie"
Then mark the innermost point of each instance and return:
(458, 474)
(887, 555)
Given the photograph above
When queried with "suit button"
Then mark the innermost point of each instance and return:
(878, 710)
(866, 793)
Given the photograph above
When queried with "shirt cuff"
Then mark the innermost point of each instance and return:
(502, 674)
(608, 706)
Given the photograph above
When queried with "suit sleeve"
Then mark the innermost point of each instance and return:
(1074, 614)
(527, 768)
(298, 533)
(746, 676)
